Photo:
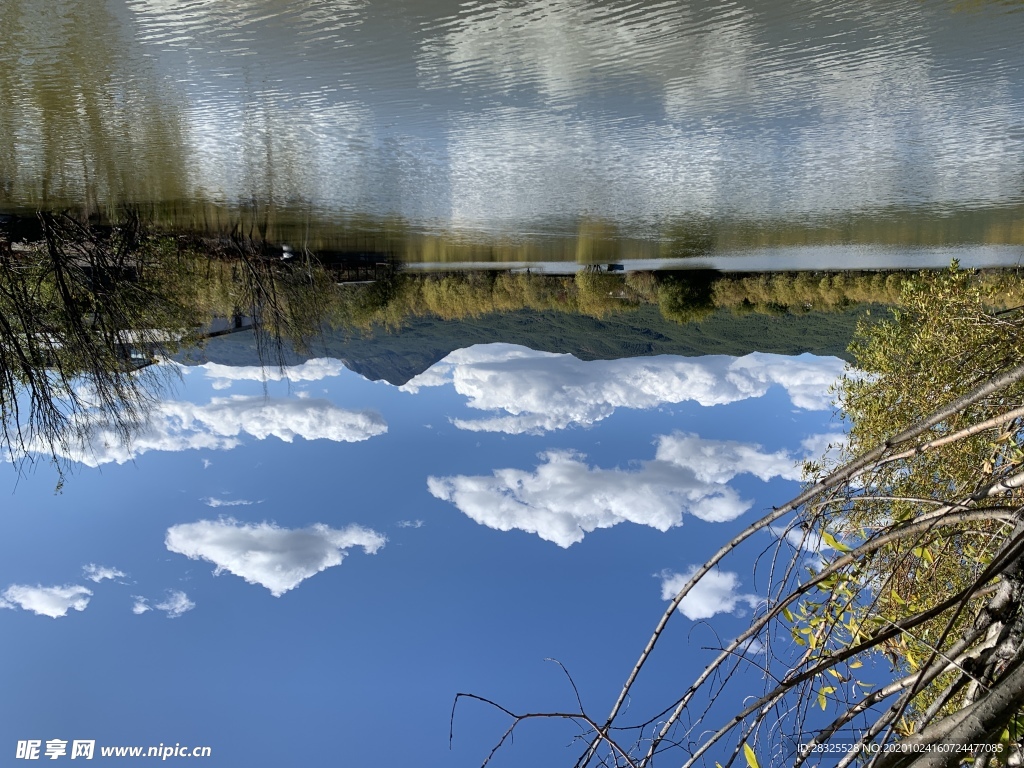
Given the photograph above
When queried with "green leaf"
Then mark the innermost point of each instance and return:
(751, 757)
(829, 539)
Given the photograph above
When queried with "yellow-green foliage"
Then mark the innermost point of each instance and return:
(681, 297)
(685, 298)
(945, 338)
(643, 286)
(207, 286)
(942, 340)
(599, 294)
(213, 284)
(453, 296)
(806, 291)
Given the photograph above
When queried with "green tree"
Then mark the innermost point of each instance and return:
(686, 298)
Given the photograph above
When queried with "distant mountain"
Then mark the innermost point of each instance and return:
(397, 357)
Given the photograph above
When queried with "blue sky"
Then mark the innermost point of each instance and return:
(306, 570)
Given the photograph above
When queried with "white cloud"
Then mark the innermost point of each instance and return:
(410, 523)
(141, 605)
(716, 592)
(211, 501)
(207, 463)
(46, 601)
(221, 424)
(265, 554)
(719, 461)
(311, 370)
(175, 604)
(542, 391)
(564, 498)
(98, 573)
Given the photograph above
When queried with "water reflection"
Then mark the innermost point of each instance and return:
(664, 124)
(88, 118)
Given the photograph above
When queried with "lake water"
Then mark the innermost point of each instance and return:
(532, 130)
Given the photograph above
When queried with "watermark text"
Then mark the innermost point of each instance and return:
(86, 749)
